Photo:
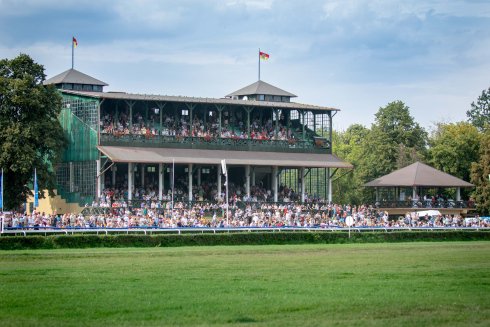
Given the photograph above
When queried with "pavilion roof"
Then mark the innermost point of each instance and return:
(261, 87)
(74, 76)
(418, 174)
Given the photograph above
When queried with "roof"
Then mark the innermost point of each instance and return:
(261, 87)
(183, 99)
(75, 77)
(214, 157)
(418, 174)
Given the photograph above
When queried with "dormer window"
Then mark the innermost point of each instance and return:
(261, 97)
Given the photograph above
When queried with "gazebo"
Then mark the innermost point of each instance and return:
(409, 188)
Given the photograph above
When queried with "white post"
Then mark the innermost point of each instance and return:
(160, 182)
(274, 183)
(247, 180)
(199, 176)
(329, 187)
(189, 174)
(253, 176)
(219, 180)
(414, 193)
(99, 191)
(302, 174)
(130, 182)
(458, 194)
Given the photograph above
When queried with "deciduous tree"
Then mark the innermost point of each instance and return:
(30, 133)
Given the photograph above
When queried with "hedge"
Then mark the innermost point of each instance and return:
(259, 238)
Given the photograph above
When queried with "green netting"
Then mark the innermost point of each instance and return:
(82, 139)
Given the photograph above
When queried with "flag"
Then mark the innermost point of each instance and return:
(1, 190)
(36, 191)
(263, 55)
(75, 42)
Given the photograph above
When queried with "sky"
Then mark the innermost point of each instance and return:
(355, 55)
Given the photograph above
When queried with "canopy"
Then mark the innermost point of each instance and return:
(214, 157)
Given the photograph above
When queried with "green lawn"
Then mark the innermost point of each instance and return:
(403, 284)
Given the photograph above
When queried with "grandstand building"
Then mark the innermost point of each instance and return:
(174, 144)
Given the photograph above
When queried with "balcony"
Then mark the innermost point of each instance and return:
(235, 144)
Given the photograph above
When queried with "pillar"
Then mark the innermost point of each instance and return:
(99, 191)
(130, 181)
(199, 176)
(329, 186)
(160, 182)
(72, 177)
(458, 194)
(189, 174)
(219, 180)
(253, 176)
(302, 174)
(247, 180)
(274, 183)
(114, 169)
(142, 175)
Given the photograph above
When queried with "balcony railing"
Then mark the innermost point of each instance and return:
(214, 143)
(429, 204)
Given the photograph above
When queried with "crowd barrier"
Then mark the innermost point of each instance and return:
(182, 230)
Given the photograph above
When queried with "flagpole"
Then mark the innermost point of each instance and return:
(259, 64)
(72, 53)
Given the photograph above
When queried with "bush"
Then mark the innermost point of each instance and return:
(243, 238)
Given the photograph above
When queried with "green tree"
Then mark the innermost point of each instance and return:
(480, 175)
(30, 133)
(479, 114)
(453, 147)
(348, 145)
(395, 141)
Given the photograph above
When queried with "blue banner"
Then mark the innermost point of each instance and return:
(36, 191)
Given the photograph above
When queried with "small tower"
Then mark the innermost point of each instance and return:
(261, 91)
(74, 80)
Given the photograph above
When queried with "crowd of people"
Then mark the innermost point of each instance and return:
(248, 214)
(232, 127)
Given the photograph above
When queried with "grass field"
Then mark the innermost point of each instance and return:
(403, 284)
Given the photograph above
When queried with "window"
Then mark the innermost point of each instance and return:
(68, 86)
(261, 97)
(269, 98)
(185, 112)
(97, 88)
(77, 87)
(277, 98)
(285, 99)
(151, 169)
(87, 87)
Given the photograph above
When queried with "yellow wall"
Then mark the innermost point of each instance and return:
(56, 203)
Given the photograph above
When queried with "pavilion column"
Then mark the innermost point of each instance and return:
(114, 170)
(329, 187)
(247, 180)
(219, 181)
(130, 181)
(274, 183)
(377, 194)
(302, 174)
(414, 192)
(160, 181)
(199, 176)
(142, 175)
(458, 194)
(253, 176)
(99, 190)
(189, 174)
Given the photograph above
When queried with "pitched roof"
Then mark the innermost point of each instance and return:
(75, 77)
(184, 99)
(261, 87)
(418, 174)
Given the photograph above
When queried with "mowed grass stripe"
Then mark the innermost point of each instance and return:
(403, 284)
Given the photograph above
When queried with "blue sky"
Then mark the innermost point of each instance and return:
(354, 55)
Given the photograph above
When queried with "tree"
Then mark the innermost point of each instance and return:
(453, 147)
(395, 141)
(479, 114)
(348, 145)
(480, 175)
(30, 133)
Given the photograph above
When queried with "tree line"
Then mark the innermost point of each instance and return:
(395, 140)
